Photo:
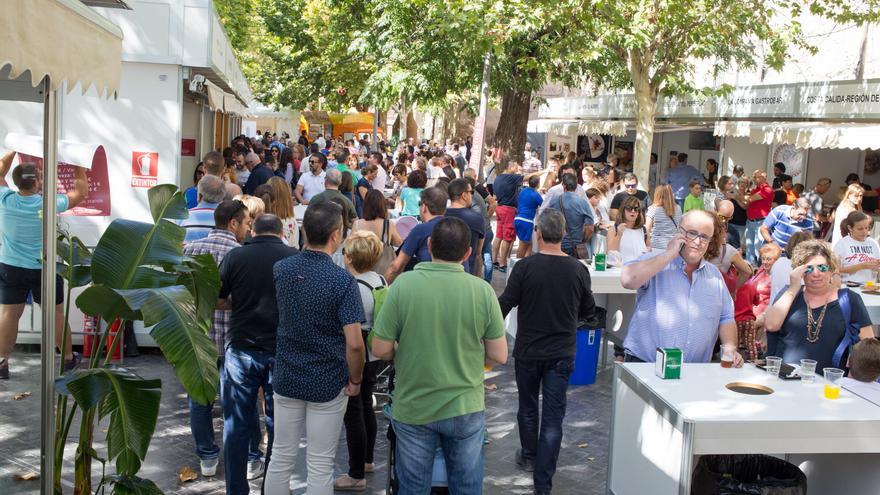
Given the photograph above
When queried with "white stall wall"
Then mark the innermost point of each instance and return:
(834, 164)
(560, 140)
(739, 151)
(189, 130)
(679, 141)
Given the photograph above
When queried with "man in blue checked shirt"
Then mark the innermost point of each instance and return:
(682, 300)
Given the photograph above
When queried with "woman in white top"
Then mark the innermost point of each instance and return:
(627, 235)
(663, 218)
(282, 207)
(852, 201)
(859, 254)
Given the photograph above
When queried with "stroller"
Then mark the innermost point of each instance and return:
(438, 477)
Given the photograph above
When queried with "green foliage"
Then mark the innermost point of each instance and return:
(132, 485)
(132, 404)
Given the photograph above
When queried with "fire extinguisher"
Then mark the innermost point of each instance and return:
(114, 331)
(91, 327)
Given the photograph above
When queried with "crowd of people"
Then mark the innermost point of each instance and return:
(390, 263)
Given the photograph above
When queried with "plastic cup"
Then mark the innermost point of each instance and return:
(808, 371)
(773, 364)
(832, 382)
(727, 353)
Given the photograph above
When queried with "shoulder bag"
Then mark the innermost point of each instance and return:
(387, 250)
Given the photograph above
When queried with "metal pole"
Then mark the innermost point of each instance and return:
(47, 346)
(484, 108)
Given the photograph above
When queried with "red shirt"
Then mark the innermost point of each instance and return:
(746, 298)
(760, 208)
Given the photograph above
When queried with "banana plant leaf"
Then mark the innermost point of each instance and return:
(132, 485)
(202, 277)
(167, 202)
(171, 311)
(131, 402)
(75, 269)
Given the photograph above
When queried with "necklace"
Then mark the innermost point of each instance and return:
(814, 326)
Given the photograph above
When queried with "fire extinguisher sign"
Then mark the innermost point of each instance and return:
(144, 169)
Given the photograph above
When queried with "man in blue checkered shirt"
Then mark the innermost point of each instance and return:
(232, 222)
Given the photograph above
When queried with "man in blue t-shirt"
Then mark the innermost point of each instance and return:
(460, 195)
(21, 248)
(415, 248)
(578, 215)
(679, 176)
(784, 221)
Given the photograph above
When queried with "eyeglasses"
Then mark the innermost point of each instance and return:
(632, 208)
(821, 267)
(693, 235)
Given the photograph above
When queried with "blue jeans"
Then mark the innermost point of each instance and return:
(741, 232)
(245, 371)
(541, 442)
(487, 255)
(461, 439)
(754, 241)
(201, 422)
(680, 203)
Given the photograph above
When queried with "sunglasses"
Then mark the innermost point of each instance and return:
(821, 267)
(631, 186)
(314, 161)
(631, 208)
(693, 235)
(723, 218)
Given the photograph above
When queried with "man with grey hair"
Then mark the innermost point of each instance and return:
(260, 173)
(552, 291)
(332, 180)
(212, 192)
(814, 197)
(216, 165)
(784, 220)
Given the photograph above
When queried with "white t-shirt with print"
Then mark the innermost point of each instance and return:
(852, 252)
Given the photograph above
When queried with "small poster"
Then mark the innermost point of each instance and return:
(144, 169)
(97, 204)
(187, 147)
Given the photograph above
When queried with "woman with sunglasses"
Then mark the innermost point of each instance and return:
(628, 235)
(809, 321)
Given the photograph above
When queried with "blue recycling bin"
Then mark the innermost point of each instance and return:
(586, 360)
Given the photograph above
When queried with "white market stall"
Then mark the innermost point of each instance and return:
(179, 93)
(66, 44)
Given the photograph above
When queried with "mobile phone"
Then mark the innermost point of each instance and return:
(786, 371)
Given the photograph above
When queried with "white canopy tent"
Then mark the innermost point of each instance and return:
(43, 45)
(847, 135)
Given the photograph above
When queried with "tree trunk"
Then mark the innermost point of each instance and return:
(646, 111)
(402, 117)
(512, 125)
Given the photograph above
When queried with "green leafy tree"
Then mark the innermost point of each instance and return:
(654, 47)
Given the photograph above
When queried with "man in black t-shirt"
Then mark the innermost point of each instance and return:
(246, 276)
(630, 188)
(460, 195)
(552, 292)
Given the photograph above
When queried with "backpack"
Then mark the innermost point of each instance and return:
(379, 293)
(851, 328)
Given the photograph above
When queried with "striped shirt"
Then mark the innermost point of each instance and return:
(782, 227)
(664, 228)
(200, 221)
(217, 243)
(672, 311)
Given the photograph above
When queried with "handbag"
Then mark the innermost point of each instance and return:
(582, 250)
(387, 251)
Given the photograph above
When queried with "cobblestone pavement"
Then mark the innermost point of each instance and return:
(581, 470)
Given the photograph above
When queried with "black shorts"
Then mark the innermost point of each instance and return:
(16, 283)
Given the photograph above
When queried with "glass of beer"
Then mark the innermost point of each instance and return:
(727, 353)
(832, 382)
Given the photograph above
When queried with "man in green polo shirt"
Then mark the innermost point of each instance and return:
(446, 324)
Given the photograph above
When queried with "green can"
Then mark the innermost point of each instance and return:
(668, 363)
(600, 262)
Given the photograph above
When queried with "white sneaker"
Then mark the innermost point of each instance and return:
(209, 467)
(255, 469)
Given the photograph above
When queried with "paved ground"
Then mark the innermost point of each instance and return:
(581, 470)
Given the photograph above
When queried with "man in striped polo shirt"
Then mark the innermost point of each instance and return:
(681, 299)
(784, 221)
(200, 222)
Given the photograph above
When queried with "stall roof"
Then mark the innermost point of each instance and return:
(63, 39)
(579, 127)
(805, 134)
